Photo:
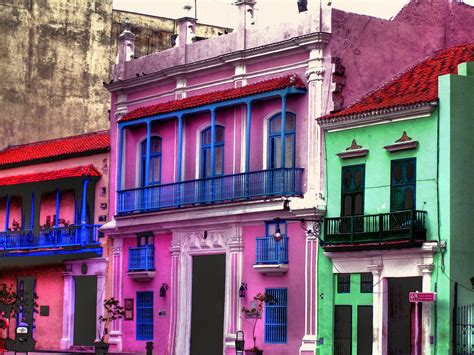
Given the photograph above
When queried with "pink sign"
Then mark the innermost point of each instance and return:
(422, 296)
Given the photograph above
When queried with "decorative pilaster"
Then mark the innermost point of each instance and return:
(68, 311)
(426, 270)
(309, 341)
(117, 275)
(378, 309)
(175, 251)
(315, 137)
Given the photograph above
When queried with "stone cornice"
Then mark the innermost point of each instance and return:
(378, 116)
(308, 41)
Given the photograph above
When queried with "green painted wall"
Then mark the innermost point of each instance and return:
(377, 191)
(456, 93)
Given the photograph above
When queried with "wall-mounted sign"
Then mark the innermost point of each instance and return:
(422, 296)
(128, 305)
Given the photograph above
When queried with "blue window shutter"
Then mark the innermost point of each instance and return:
(145, 315)
(276, 316)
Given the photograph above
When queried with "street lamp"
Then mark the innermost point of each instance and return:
(314, 231)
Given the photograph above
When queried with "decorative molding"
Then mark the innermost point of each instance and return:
(403, 143)
(354, 151)
(423, 109)
(141, 276)
(426, 268)
(375, 269)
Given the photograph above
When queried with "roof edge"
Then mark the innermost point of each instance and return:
(379, 115)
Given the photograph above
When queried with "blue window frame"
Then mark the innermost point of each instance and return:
(155, 161)
(145, 315)
(274, 158)
(276, 316)
(206, 168)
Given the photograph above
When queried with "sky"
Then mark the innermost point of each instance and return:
(221, 12)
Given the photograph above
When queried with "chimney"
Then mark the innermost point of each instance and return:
(126, 51)
(246, 16)
(186, 27)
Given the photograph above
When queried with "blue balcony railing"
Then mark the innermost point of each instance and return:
(225, 188)
(141, 258)
(269, 251)
(77, 235)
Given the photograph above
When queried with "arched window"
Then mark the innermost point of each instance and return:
(274, 158)
(155, 161)
(206, 168)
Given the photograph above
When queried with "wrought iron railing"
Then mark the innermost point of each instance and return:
(75, 235)
(465, 330)
(270, 251)
(225, 188)
(141, 258)
(383, 227)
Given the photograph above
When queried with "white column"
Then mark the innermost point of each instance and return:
(308, 343)
(99, 306)
(117, 274)
(426, 270)
(68, 311)
(378, 309)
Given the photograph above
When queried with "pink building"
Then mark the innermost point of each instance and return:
(53, 199)
(217, 171)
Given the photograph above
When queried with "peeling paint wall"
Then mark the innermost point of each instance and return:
(55, 56)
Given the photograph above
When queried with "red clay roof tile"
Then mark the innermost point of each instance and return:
(55, 149)
(215, 96)
(419, 84)
(89, 171)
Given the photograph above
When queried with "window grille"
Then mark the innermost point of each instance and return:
(276, 316)
(145, 315)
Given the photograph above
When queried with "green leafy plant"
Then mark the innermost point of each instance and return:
(112, 311)
(254, 312)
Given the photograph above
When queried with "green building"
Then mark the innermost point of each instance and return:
(400, 215)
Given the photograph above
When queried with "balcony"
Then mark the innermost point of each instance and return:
(64, 238)
(271, 256)
(141, 262)
(385, 230)
(219, 189)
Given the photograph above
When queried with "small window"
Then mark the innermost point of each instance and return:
(145, 239)
(276, 316)
(272, 227)
(366, 282)
(154, 171)
(206, 139)
(352, 190)
(145, 315)
(343, 283)
(275, 141)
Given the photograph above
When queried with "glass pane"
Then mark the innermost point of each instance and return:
(219, 134)
(219, 160)
(208, 163)
(206, 136)
(275, 153)
(290, 122)
(155, 169)
(275, 124)
(289, 151)
(155, 145)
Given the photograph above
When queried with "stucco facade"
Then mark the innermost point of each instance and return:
(56, 55)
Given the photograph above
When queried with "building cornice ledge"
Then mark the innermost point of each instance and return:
(307, 41)
(421, 109)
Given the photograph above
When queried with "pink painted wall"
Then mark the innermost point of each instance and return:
(131, 287)
(49, 288)
(15, 211)
(293, 280)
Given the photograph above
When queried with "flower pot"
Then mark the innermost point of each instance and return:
(254, 352)
(101, 347)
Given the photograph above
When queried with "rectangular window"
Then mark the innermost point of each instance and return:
(342, 330)
(366, 282)
(145, 315)
(276, 316)
(403, 184)
(343, 283)
(352, 190)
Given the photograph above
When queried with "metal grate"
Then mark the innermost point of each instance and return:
(141, 258)
(465, 330)
(145, 315)
(276, 316)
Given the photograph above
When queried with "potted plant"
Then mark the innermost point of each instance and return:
(112, 311)
(252, 314)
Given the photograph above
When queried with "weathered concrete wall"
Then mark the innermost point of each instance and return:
(55, 56)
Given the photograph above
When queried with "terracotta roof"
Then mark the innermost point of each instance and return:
(79, 171)
(55, 149)
(215, 96)
(417, 85)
